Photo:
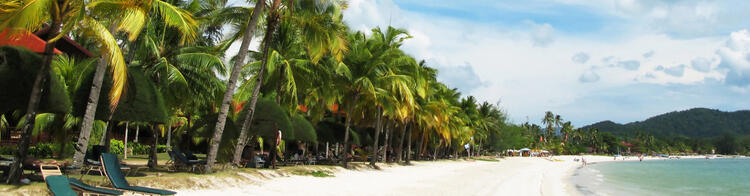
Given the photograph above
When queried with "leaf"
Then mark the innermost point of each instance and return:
(27, 18)
(110, 50)
(178, 18)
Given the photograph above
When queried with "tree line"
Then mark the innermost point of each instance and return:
(162, 65)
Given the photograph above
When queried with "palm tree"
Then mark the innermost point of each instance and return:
(63, 16)
(135, 15)
(301, 23)
(247, 37)
(391, 87)
(357, 81)
(423, 76)
(549, 120)
(567, 128)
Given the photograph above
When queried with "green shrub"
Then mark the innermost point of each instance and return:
(138, 148)
(160, 148)
(7, 150)
(116, 146)
(42, 150)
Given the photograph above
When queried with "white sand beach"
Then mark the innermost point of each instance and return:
(509, 176)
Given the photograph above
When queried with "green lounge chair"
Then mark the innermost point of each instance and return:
(89, 190)
(54, 170)
(112, 170)
(59, 186)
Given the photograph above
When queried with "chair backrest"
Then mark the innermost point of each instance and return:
(97, 150)
(49, 170)
(59, 186)
(190, 155)
(112, 170)
(171, 155)
(181, 157)
(94, 154)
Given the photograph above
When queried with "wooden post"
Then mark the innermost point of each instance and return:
(125, 151)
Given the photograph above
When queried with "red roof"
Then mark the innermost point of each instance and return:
(27, 40)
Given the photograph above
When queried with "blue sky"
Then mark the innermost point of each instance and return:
(620, 60)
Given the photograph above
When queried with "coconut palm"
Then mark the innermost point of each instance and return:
(62, 17)
(318, 27)
(239, 61)
(129, 16)
(549, 120)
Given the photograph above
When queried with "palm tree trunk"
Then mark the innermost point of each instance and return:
(345, 157)
(137, 129)
(169, 137)
(247, 122)
(399, 153)
(408, 146)
(103, 139)
(152, 156)
(91, 105)
(125, 147)
(386, 143)
(36, 94)
(378, 128)
(227, 99)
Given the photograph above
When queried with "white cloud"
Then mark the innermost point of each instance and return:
(734, 59)
(542, 35)
(507, 61)
(676, 71)
(580, 58)
(648, 54)
(589, 76)
(462, 77)
(629, 64)
(701, 64)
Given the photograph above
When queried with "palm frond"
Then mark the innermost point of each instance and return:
(203, 61)
(176, 17)
(113, 54)
(132, 22)
(26, 18)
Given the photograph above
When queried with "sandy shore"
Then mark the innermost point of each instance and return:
(509, 176)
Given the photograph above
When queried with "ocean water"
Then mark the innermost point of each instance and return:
(730, 176)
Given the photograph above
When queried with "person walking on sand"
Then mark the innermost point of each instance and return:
(583, 161)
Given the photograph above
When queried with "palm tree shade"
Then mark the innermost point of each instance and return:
(270, 116)
(18, 66)
(141, 102)
(303, 129)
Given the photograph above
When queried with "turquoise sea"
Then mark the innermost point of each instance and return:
(721, 176)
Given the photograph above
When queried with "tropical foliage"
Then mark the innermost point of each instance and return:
(172, 78)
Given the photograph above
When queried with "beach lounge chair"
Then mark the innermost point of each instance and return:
(49, 170)
(59, 186)
(112, 170)
(182, 160)
(91, 160)
(54, 170)
(91, 190)
(172, 162)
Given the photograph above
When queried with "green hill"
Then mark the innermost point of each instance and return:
(694, 123)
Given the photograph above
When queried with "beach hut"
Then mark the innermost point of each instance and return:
(525, 152)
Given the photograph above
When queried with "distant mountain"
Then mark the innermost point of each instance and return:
(696, 122)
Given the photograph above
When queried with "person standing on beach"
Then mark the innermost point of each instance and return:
(275, 150)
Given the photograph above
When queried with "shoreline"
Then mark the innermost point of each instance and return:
(508, 176)
(571, 188)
